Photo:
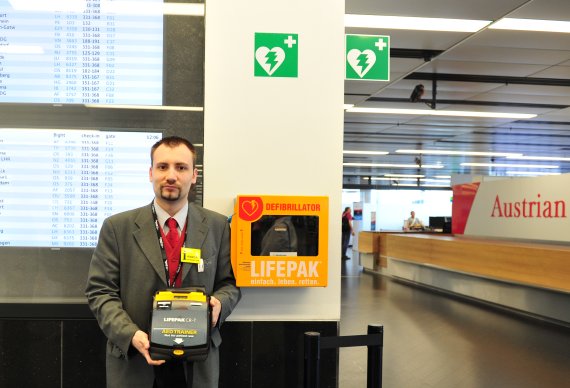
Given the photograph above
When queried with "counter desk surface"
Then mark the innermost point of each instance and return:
(535, 264)
(373, 243)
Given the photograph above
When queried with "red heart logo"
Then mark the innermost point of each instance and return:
(250, 208)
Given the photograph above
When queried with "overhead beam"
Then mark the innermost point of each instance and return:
(426, 55)
(494, 79)
(479, 103)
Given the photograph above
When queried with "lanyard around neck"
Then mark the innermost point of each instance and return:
(163, 250)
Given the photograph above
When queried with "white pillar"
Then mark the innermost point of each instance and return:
(276, 136)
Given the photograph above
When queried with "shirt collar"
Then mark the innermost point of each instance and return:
(163, 215)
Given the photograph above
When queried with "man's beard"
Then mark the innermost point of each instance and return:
(170, 195)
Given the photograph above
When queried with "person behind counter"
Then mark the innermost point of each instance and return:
(414, 223)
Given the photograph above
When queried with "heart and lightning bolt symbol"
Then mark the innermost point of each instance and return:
(270, 59)
(361, 61)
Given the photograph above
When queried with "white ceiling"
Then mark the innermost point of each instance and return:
(490, 70)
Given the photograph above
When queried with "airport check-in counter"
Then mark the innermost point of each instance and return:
(533, 278)
(372, 246)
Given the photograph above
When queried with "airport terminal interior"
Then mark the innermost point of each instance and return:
(484, 108)
(433, 339)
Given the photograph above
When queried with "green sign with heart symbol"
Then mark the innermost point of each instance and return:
(276, 55)
(368, 57)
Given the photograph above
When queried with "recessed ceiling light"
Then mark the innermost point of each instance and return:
(532, 173)
(392, 179)
(366, 152)
(463, 153)
(452, 25)
(532, 25)
(405, 175)
(432, 185)
(550, 158)
(434, 112)
(507, 165)
(389, 165)
(415, 185)
(414, 23)
(398, 179)
(442, 181)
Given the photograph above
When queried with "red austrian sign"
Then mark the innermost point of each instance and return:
(523, 208)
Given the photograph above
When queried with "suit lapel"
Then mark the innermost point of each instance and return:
(147, 239)
(197, 230)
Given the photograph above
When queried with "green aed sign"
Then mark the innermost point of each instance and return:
(276, 55)
(368, 57)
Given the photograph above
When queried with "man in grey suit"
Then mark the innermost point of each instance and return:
(129, 265)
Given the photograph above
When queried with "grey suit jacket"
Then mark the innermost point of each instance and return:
(127, 269)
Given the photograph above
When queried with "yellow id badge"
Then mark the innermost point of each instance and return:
(190, 255)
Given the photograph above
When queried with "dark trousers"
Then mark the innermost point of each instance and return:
(345, 240)
(172, 375)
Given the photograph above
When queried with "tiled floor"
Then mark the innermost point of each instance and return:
(432, 340)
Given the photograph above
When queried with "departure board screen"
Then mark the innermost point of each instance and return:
(81, 51)
(57, 186)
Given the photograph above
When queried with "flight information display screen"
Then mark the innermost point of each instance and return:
(81, 51)
(57, 186)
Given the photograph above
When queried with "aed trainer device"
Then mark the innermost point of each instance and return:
(180, 324)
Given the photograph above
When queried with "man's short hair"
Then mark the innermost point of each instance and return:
(173, 141)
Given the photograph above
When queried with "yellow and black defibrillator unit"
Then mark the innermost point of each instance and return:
(180, 324)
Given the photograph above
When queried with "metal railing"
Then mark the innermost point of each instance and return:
(374, 340)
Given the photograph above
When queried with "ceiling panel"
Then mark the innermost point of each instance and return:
(528, 40)
(562, 115)
(487, 71)
(486, 68)
(478, 10)
(497, 96)
(360, 87)
(534, 90)
(526, 127)
(471, 52)
(544, 9)
(554, 72)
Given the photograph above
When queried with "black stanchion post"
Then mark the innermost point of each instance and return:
(375, 358)
(312, 359)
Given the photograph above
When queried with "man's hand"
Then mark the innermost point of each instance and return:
(142, 344)
(216, 310)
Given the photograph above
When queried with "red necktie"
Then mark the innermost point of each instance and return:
(173, 257)
(172, 235)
